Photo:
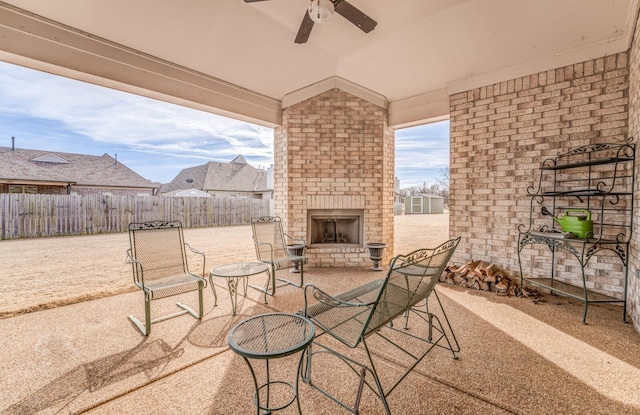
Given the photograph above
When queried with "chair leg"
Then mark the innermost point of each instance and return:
(295, 284)
(374, 373)
(447, 330)
(147, 317)
(146, 327)
(273, 279)
(455, 349)
(359, 368)
(201, 313)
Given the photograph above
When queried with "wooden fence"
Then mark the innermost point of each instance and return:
(42, 215)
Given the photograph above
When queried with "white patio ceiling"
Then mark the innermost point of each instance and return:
(240, 60)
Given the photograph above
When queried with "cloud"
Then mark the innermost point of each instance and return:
(107, 115)
(421, 153)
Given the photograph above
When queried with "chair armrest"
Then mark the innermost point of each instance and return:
(258, 244)
(137, 269)
(204, 259)
(340, 316)
(327, 299)
(296, 240)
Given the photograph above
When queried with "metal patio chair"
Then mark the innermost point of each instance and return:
(353, 317)
(279, 250)
(158, 260)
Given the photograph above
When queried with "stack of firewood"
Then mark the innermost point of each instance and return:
(484, 276)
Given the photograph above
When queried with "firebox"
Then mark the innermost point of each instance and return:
(330, 227)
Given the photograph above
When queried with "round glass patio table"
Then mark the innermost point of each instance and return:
(234, 274)
(270, 336)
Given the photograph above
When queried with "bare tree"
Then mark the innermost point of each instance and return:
(443, 182)
(443, 179)
(440, 187)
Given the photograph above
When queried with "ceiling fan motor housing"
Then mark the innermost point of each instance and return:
(321, 11)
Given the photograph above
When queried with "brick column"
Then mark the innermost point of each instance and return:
(336, 149)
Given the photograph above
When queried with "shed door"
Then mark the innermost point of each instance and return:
(416, 204)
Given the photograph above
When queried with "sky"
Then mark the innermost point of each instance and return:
(158, 139)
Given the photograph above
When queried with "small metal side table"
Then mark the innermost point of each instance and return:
(270, 336)
(233, 274)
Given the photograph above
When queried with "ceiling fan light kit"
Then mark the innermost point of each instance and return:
(321, 11)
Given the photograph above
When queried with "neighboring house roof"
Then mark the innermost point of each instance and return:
(234, 176)
(40, 166)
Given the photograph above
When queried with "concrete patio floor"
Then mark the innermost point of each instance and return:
(517, 357)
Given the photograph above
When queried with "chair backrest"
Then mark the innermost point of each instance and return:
(409, 280)
(158, 250)
(268, 237)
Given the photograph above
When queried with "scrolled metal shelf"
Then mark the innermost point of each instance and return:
(595, 162)
(606, 191)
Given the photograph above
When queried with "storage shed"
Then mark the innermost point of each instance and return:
(423, 203)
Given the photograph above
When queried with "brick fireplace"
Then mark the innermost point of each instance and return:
(334, 174)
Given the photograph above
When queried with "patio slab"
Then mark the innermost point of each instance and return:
(517, 357)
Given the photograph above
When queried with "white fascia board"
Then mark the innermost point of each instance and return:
(420, 109)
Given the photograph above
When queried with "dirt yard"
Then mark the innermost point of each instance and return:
(49, 272)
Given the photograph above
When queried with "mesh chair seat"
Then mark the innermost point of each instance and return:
(343, 321)
(172, 285)
(286, 262)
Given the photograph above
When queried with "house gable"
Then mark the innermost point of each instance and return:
(234, 177)
(50, 158)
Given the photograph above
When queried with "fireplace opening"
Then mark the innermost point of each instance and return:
(328, 227)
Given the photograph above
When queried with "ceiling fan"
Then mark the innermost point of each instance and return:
(319, 11)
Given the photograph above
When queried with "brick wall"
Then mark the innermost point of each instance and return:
(336, 150)
(499, 136)
(633, 294)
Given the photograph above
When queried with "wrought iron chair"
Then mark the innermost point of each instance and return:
(158, 260)
(353, 317)
(279, 250)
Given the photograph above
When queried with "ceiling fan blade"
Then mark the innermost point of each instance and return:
(355, 16)
(305, 29)
(254, 1)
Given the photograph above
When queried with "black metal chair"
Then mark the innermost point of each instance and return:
(354, 316)
(279, 250)
(158, 259)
